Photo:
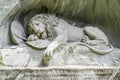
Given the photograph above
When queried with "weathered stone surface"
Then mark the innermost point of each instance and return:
(20, 57)
(15, 57)
(82, 56)
(39, 44)
(8, 8)
(59, 73)
(103, 12)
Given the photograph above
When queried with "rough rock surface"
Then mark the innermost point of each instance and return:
(20, 57)
(103, 12)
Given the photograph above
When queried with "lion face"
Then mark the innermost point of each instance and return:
(42, 25)
(38, 28)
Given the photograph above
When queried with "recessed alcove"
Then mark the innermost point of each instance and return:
(83, 13)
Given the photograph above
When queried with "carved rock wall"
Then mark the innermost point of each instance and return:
(100, 12)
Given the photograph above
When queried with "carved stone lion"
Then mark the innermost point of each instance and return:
(46, 26)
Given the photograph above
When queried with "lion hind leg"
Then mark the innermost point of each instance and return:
(95, 33)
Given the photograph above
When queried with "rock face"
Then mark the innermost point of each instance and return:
(15, 57)
(7, 8)
(100, 12)
(103, 12)
(85, 11)
(19, 57)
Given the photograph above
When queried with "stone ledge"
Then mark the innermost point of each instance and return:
(59, 73)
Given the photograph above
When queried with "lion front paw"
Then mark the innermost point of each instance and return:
(32, 37)
(51, 48)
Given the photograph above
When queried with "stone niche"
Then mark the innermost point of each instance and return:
(103, 14)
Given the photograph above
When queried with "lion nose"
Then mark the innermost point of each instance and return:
(42, 30)
(44, 35)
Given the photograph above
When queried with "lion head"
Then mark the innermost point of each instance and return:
(42, 25)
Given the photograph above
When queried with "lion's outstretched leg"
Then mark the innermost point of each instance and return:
(61, 39)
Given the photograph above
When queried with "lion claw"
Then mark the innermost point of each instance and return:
(50, 49)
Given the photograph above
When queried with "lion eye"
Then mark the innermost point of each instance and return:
(37, 24)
